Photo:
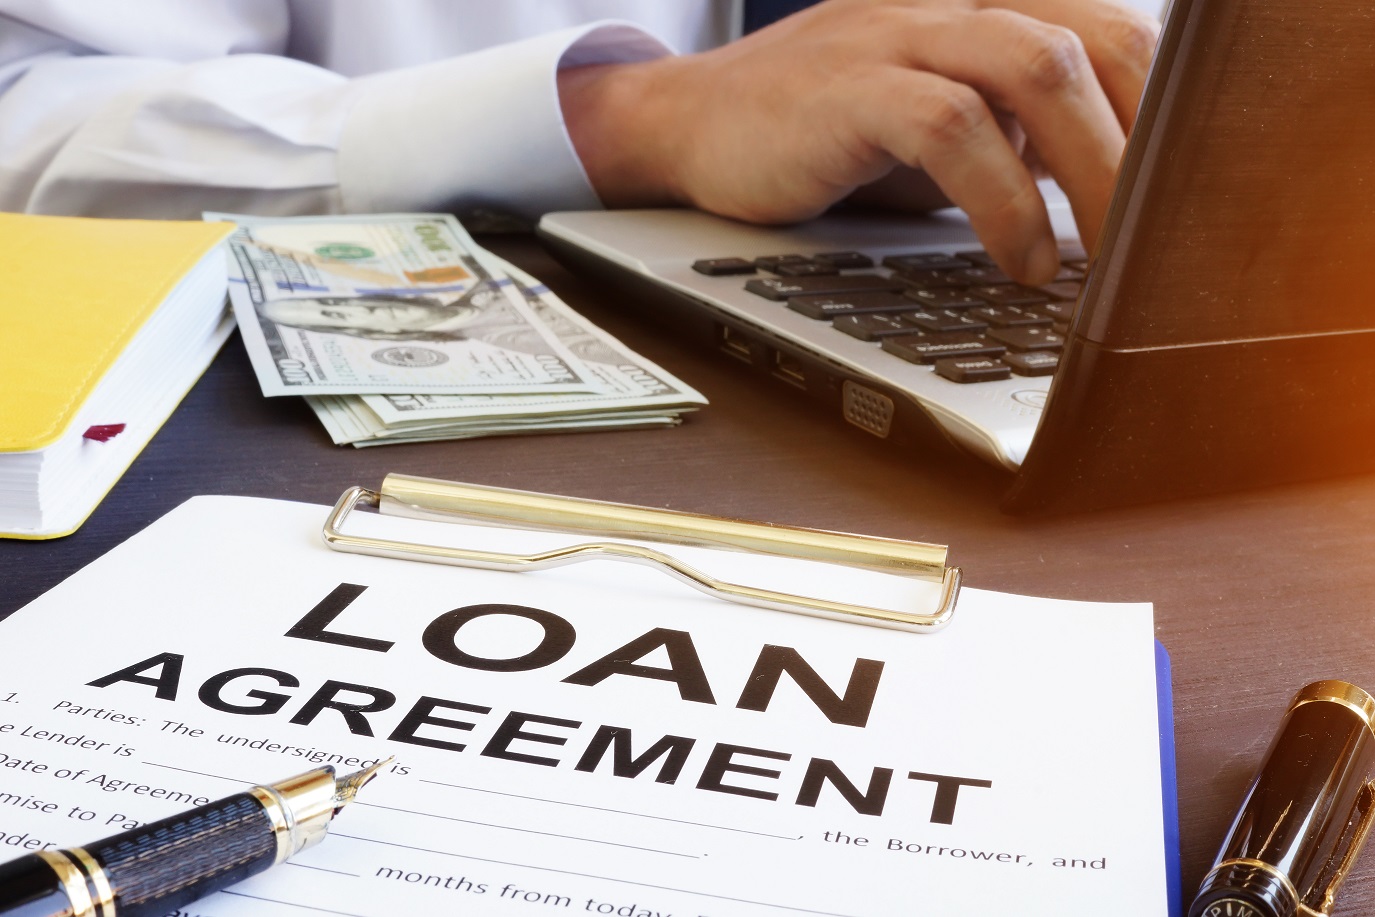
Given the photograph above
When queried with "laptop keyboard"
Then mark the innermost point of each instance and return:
(954, 311)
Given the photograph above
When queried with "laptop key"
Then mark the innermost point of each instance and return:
(981, 275)
(1010, 294)
(928, 261)
(1033, 363)
(928, 348)
(873, 327)
(977, 258)
(1059, 311)
(722, 267)
(1062, 289)
(945, 320)
(771, 262)
(972, 369)
(1004, 316)
(785, 287)
(804, 269)
(845, 261)
(832, 306)
(945, 299)
(1021, 338)
(931, 279)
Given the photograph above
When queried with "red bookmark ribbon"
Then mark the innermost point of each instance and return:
(103, 432)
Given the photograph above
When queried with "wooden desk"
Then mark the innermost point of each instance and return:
(1255, 594)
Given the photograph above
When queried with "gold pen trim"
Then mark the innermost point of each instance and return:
(1343, 693)
(104, 897)
(1365, 804)
(302, 807)
(73, 882)
(281, 817)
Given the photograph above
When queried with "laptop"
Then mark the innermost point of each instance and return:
(1222, 336)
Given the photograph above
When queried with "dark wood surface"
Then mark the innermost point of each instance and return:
(1255, 594)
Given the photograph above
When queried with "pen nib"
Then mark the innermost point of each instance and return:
(347, 787)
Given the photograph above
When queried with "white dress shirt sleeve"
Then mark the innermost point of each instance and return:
(480, 131)
(95, 131)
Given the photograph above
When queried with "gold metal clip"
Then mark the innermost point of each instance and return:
(427, 498)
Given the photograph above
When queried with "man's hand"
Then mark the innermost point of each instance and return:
(888, 96)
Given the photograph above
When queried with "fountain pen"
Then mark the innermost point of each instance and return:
(156, 868)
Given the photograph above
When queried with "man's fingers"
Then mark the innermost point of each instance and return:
(1041, 74)
(1119, 41)
(944, 127)
(831, 99)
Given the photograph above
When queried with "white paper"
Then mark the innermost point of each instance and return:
(1052, 704)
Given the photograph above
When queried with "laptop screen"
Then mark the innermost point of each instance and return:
(1247, 208)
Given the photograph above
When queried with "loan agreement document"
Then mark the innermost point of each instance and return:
(596, 739)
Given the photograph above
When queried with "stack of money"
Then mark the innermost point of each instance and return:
(400, 328)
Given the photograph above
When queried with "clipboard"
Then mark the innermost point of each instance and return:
(437, 500)
(432, 499)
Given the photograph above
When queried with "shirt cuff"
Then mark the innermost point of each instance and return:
(479, 132)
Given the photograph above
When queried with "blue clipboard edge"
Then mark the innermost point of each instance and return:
(1169, 790)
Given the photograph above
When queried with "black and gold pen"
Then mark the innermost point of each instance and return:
(1306, 815)
(158, 867)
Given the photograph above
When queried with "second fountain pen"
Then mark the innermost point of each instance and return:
(156, 868)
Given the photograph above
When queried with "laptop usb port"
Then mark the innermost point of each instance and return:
(735, 343)
(789, 369)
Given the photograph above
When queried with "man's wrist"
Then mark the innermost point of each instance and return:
(624, 128)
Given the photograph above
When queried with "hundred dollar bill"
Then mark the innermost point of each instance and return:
(636, 389)
(386, 303)
(629, 381)
(348, 421)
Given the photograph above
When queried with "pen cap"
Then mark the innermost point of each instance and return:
(1306, 814)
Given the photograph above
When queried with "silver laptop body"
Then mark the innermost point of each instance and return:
(1225, 333)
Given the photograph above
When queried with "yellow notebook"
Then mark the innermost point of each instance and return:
(106, 325)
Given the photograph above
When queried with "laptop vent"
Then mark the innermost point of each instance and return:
(867, 409)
